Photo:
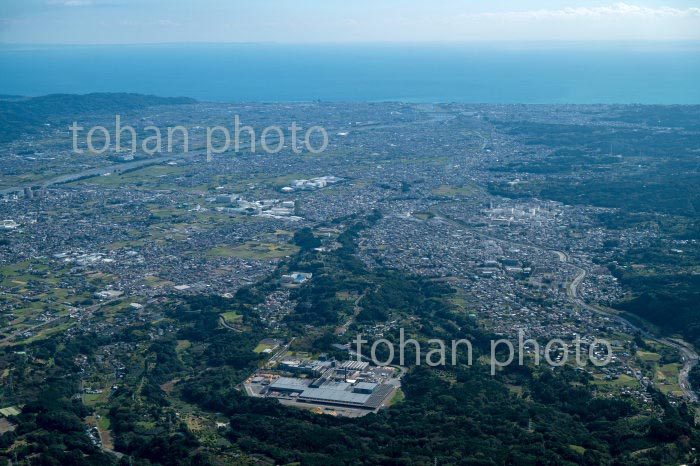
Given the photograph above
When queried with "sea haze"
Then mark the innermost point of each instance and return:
(664, 73)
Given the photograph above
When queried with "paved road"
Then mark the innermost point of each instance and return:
(195, 152)
(688, 354)
(223, 323)
(84, 312)
(279, 354)
(32, 328)
(99, 171)
(356, 310)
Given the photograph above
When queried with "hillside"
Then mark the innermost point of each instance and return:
(29, 115)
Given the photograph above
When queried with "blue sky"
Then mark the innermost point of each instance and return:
(293, 21)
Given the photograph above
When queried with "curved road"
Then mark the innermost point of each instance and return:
(688, 355)
(193, 152)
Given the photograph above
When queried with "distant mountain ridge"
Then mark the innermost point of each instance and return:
(28, 115)
(12, 97)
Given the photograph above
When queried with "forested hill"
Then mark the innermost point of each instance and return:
(29, 115)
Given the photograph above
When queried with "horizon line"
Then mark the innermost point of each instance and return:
(388, 42)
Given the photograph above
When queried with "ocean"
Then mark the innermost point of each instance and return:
(548, 73)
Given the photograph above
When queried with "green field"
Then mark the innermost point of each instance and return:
(254, 250)
(399, 397)
(454, 191)
(578, 449)
(91, 398)
(260, 348)
(154, 176)
(231, 317)
(623, 380)
(648, 356)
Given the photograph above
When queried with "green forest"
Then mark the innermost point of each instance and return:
(453, 415)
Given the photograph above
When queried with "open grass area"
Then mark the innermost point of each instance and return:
(104, 423)
(221, 251)
(254, 250)
(45, 333)
(459, 301)
(399, 397)
(578, 449)
(623, 380)
(346, 296)
(91, 398)
(183, 345)
(515, 389)
(231, 317)
(454, 191)
(152, 176)
(6, 426)
(423, 215)
(261, 347)
(670, 371)
(666, 378)
(648, 356)
(667, 373)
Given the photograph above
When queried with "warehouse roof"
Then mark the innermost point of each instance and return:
(290, 383)
(334, 395)
(369, 386)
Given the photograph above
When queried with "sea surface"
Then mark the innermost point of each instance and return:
(666, 73)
